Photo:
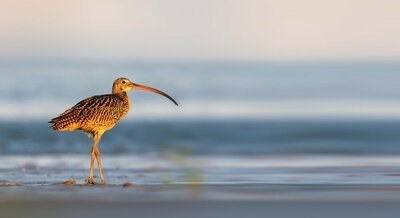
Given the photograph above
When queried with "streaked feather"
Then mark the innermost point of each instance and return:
(96, 113)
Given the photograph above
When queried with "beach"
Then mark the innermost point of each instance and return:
(173, 208)
(289, 186)
(205, 169)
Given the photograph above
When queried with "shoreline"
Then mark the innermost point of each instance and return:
(195, 186)
(206, 201)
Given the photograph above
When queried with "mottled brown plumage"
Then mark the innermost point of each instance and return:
(98, 114)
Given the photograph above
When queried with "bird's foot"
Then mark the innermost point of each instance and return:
(103, 182)
(90, 181)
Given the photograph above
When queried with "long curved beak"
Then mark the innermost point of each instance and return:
(146, 88)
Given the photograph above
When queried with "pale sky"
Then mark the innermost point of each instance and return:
(262, 30)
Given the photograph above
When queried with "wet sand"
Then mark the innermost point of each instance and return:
(213, 187)
(201, 209)
(178, 201)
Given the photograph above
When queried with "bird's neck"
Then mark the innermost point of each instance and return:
(116, 90)
(123, 94)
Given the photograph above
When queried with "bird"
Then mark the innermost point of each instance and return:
(97, 114)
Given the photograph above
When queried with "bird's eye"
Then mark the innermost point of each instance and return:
(123, 82)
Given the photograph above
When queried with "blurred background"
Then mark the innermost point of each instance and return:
(257, 80)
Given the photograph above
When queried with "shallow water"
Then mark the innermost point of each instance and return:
(184, 168)
(206, 170)
(210, 138)
(208, 153)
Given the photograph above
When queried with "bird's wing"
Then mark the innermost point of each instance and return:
(103, 110)
(75, 110)
(96, 111)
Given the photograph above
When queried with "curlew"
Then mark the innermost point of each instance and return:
(98, 114)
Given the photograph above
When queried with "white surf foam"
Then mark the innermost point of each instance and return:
(241, 162)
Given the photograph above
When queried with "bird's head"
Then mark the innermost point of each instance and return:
(124, 85)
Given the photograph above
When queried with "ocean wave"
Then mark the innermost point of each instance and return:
(136, 162)
(221, 109)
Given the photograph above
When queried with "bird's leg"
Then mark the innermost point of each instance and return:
(98, 154)
(90, 180)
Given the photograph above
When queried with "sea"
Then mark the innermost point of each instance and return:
(238, 122)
